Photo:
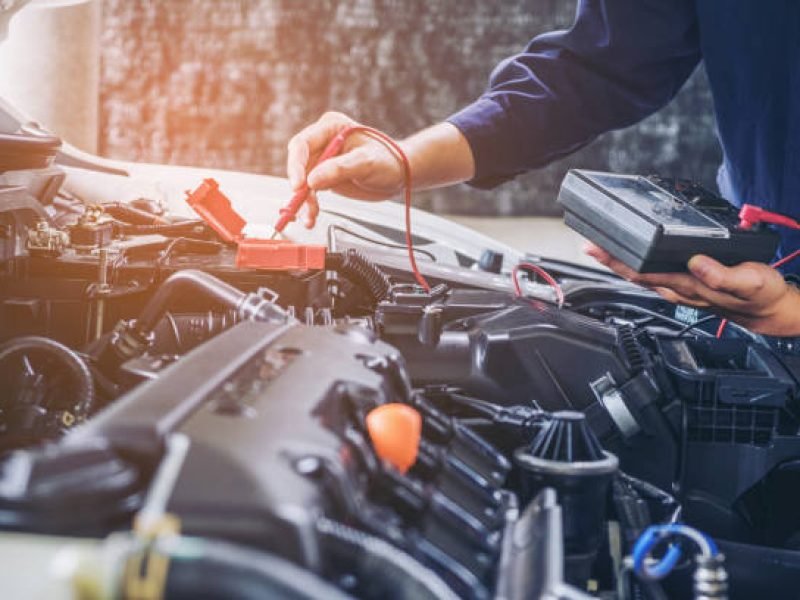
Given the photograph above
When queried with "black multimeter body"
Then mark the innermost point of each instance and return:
(655, 225)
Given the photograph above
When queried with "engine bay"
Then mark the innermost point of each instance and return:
(344, 432)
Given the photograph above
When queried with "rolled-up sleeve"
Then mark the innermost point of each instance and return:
(620, 61)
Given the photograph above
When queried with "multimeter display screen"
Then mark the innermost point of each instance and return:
(676, 216)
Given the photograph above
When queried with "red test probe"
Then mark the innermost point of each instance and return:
(289, 212)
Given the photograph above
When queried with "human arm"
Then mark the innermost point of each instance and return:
(365, 169)
(620, 61)
(752, 294)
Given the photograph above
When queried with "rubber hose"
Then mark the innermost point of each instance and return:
(74, 364)
(379, 561)
(184, 284)
(209, 569)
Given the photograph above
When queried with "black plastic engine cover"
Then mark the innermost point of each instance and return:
(513, 351)
(275, 418)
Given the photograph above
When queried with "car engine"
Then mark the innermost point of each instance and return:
(339, 431)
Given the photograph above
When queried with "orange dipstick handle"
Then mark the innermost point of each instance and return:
(395, 430)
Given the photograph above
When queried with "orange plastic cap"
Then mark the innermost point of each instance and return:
(215, 209)
(395, 431)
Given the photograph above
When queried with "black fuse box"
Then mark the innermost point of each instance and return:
(655, 225)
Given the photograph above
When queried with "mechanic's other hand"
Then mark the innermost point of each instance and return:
(364, 169)
(752, 294)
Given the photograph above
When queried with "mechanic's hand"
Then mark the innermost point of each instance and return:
(752, 294)
(364, 169)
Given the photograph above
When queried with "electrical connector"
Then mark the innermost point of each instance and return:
(214, 208)
(279, 255)
(252, 253)
(750, 215)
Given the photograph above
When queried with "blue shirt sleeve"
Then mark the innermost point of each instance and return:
(620, 61)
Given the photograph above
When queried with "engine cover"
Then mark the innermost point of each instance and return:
(279, 456)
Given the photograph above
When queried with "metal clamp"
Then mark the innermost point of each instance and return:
(607, 393)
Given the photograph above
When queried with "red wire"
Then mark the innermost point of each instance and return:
(398, 153)
(541, 273)
(721, 329)
(778, 263)
(785, 259)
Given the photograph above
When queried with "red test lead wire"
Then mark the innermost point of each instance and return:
(750, 215)
(289, 212)
(541, 273)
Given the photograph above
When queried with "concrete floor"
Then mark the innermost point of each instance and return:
(545, 236)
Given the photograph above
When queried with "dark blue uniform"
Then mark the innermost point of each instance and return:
(624, 59)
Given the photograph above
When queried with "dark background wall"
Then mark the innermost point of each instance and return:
(225, 83)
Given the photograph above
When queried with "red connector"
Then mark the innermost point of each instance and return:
(215, 209)
(278, 255)
(750, 215)
(275, 255)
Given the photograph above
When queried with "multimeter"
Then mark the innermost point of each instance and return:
(655, 224)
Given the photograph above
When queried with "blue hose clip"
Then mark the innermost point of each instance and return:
(641, 551)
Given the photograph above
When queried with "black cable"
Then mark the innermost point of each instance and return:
(356, 267)
(742, 330)
(647, 489)
(697, 323)
(370, 240)
(641, 310)
(187, 245)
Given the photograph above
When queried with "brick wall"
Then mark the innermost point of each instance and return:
(225, 83)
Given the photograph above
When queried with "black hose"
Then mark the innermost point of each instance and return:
(209, 569)
(353, 265)
(74, 364)
(182, 285)
(378, 563)
(132, 338)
